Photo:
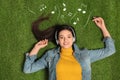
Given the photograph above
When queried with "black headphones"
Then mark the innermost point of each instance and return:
(73, 32)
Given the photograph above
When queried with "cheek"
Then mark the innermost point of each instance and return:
(71, 40)
(60, 41)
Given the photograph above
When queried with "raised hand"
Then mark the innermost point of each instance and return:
(38, 46)
(99, 22)
(41, 44)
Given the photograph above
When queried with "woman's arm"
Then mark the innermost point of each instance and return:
(30, 64)
(109, 47)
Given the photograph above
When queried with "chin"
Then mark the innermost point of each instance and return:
(66, 46)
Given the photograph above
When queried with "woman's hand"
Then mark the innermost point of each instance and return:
(41, 44)
(99, 22)
(38, 46)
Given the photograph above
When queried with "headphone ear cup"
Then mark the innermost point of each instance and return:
(73, 39)
(57, 42)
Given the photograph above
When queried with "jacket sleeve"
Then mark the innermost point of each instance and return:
(31, 65)
(108, 50)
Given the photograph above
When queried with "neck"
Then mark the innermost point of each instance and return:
(67, 51)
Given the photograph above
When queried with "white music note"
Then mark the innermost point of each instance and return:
(64, 7)
(79, 9)
(74, 23)
(82, 8)
(89, 16)
(70, 14)
(77, 20)
(55, 9)
(64, 4)
(83, 12)
(42, 7)
(31, 11)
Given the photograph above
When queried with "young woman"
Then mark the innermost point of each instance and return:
(67, 61)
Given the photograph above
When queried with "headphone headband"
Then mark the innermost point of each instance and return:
(73, 32)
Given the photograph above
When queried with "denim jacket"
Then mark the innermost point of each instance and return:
(84, 57)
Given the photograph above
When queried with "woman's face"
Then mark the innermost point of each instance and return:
(65, 39)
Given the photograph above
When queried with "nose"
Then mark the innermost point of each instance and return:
(65, 39)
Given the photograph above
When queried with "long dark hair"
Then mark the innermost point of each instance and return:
(49, 33)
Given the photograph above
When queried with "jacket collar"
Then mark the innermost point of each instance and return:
(76, 48)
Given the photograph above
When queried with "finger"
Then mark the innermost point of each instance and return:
(40, 42)
(97, 19)
(45, 41)
(94, 18)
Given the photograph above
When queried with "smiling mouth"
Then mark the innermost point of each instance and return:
(65, 43)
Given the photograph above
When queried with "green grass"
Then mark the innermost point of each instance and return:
(16, 37)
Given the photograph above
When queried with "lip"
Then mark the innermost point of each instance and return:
(65, 43)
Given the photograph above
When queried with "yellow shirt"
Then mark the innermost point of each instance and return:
(67, 67)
